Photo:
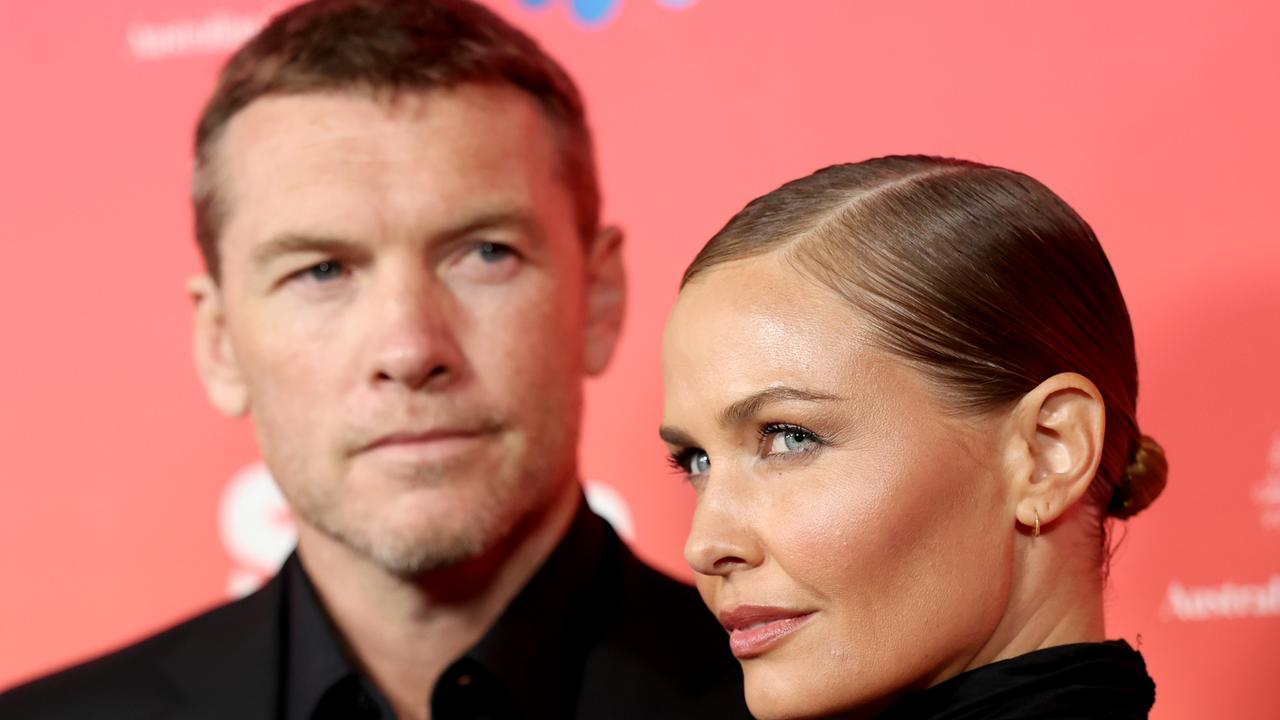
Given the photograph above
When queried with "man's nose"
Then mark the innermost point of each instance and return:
(722, 539)
(415, 345)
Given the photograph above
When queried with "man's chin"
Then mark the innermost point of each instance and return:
(409, 557)
(424, 533)
(417, 551)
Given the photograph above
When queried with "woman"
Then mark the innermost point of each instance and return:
(903, 391)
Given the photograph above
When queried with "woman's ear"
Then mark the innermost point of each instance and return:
(606, 297)
(215, 358)
(1056, 438)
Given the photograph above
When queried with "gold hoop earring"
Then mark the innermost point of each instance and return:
(1036, 531)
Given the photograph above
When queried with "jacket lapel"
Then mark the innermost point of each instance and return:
(230, 667)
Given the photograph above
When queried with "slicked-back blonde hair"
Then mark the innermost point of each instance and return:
(979, 276)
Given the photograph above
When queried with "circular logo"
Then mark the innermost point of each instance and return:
(256, 528)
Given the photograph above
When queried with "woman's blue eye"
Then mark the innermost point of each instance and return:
(692, 462)
(327, 270)
(700, 463)
(785, 439)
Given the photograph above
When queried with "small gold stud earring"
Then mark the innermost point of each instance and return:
(1036, 531)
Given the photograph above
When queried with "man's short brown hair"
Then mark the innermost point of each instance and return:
(389, 46)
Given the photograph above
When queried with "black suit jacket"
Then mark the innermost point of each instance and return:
(658, 653)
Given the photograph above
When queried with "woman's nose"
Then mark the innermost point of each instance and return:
(721, 539)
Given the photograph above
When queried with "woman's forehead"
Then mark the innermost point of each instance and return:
(760, 323)
(762, 305)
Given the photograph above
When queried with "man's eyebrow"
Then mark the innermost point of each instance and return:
(293, 242)
(497, 218)
(745, 408)
(287, 243)
(748, 406)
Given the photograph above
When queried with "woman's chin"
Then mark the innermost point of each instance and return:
(796, 690)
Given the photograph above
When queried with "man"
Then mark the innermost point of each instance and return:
(407, 281)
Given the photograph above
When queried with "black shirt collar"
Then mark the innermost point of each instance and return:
(527, 665)
(318, 679)
(537, 648)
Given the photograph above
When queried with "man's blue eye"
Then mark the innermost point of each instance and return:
(493, 252)
(328, 270)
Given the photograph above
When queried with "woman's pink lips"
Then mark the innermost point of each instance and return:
(754, 630)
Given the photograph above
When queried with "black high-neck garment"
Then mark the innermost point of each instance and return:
(1084, 681)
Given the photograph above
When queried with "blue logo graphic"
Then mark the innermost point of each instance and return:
(597, 12)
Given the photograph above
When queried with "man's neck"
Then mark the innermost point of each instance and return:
(404, 632)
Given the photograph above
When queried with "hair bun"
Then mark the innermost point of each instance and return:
(1143, 480)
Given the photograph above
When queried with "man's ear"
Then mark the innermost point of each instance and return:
(215, 358)
(1056, 440)
(606, 298)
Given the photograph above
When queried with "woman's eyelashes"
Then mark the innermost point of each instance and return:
(787, 439)
(777, 440)
(691, 461)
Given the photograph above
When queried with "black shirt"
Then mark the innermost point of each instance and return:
(528, 665)
(595, 634)
(1082, 681)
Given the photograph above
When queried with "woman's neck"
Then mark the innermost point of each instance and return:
(1056, 594)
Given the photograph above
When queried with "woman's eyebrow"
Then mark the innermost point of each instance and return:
(675, 436)
(748, 406)
(745, 408)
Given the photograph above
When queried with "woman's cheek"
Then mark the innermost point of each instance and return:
(841, 528)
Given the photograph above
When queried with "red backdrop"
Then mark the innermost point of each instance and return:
(1158, 121)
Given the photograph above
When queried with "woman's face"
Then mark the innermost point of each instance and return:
(853, 535)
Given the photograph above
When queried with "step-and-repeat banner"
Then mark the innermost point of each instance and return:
(126, 503)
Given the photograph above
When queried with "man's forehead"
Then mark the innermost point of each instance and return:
(348, 117)
(468, 139)
(343, 163)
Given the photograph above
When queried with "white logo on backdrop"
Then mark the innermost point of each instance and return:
(1268, 493)
(610, 505)
(1226, 601)
(256, 528)
(258, 533)
(217, 33)
(1234, 600)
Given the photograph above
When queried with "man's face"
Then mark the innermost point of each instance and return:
(407, 310)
